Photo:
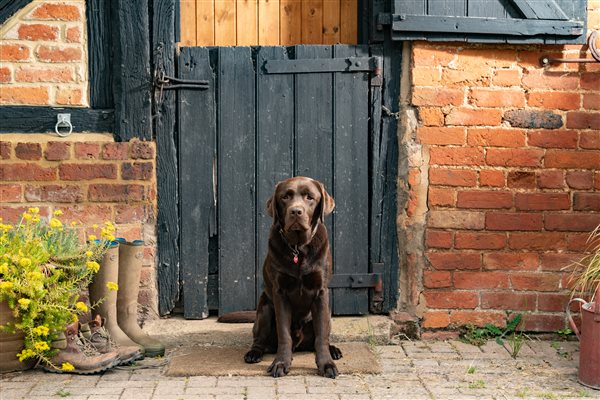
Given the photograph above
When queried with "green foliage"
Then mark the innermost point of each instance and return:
(63, 393)
(585, 276)
(478, 384)
(43, 269)
(564, 333)
(471, 370)
(479, 336)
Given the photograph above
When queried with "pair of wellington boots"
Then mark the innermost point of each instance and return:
(122, 264)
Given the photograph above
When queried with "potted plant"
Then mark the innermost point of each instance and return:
(44, 267)
(586, 279)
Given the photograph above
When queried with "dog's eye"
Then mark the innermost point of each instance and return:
(285, 197)
(309, 197)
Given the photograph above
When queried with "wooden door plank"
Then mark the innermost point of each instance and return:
(457, 8)
(225, 23)
(205, 22)
(268, 25)
(197, 126)
(275, 143)
(247, 22)
(236, 164)
(349, 21)
(351, 180)
(187, 15)
(331, 21)
(312, 21)
(290, 22)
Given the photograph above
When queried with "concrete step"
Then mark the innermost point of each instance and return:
(177, 331)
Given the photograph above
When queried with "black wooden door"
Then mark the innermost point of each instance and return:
(271, 113)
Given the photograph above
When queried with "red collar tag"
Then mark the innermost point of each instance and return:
(296, 259)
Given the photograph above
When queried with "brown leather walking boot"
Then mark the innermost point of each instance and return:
(94, 333)
(75, 357)
(130, 268)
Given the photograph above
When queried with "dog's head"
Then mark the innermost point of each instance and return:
(298, 205)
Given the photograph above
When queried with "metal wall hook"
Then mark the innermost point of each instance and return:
(545, 60)
(63, 120)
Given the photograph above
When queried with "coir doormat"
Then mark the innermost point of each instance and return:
(224, 361)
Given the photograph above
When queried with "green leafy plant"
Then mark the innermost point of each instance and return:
(478, 384)
(479, 336)
(43, 269)
(564, 333)
(585, 276)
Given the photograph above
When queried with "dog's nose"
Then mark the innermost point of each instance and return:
(296, 211)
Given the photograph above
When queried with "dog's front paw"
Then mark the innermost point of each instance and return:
(253, 356)
(329, 370)
(335, 352)
(279, 368)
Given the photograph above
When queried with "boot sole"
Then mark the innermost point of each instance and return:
(131, 359)
(80, 372)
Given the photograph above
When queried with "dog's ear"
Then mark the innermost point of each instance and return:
(272, 204)
(327, 204)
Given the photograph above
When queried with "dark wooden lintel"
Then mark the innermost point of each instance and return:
(26, 119)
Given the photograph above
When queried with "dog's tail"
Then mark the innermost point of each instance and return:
(237, 317)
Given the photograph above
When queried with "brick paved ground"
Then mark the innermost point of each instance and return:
(411, 370)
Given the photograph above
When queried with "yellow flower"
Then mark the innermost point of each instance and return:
(55, 223)
(89, 253)
(58, 213)
(41, 330)
(73, 223)
(4, 269)
(67, 367)
(25, 262)
(92, 237)
(34, 210)
(6, 285)
(112, 286)
(36, 218)
(26, 353)
(27, 216)
(24, 302)
(95, 226)
(74, 318)
(93, 266)
(110, 238)
(81, 306)
(41, 346)
(35, 276)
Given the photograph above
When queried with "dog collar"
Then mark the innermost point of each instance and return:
(294, 249)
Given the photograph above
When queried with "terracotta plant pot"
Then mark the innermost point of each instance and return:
(10, 344)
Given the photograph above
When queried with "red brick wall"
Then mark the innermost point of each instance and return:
(505, 204)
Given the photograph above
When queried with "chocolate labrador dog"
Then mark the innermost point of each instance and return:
(293, 310)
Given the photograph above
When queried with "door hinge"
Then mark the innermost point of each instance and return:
(320, 65)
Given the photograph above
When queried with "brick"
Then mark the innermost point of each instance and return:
(571, 222)
(535, 281)
(583, 120)
(591, 101)
(477, 318)
(5, 150)
(552, 302)
(557, 261)
(436, 319)
(473, 77)
(142, 150)
(80, 172)
(551, 179)
(514, 157)
(57, 151)
(452, 177)
(589, 80)
(521, 180)
(26, 172)
(496, 137)
(586, 201)
(86, 213)
(446, 261)
(430, 56)
(497, 98)
(565, 139)
(441, 197)
(437, 97)
(572, 159)
(539, 79)
(27, 95)
(484, 199)
(451, 299)
(425, 76)
(438, 239)
(536, 240)
(506, 77)
(54, 193)
(554, 100)
(29, 73)
(511, 261)
(12, 215)
(60, 12)
(37, 32)
(580, 179)
(115, 192)
(137, 171)
(5, 75)
(14, 52)
(471, 117)
(531, 119)
(87, 151)
(481, 280)
(10, 193)
(431, 116)
(597, 180)
(128, 214)
(455, 219)
(508, 301)
(513, 222)
(491, 178)
(456, 156)
(115, 151)
(69, 97)
(441, 136)
(437, 279)
(479, 241)
(542, 201)
(589, 140)
(28, 151)
(469, 58)
(58, 54)
(73, 35)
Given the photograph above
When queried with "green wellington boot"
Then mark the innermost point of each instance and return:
(130, 267)
(101, 289)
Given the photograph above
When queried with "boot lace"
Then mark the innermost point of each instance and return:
(86, 346)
